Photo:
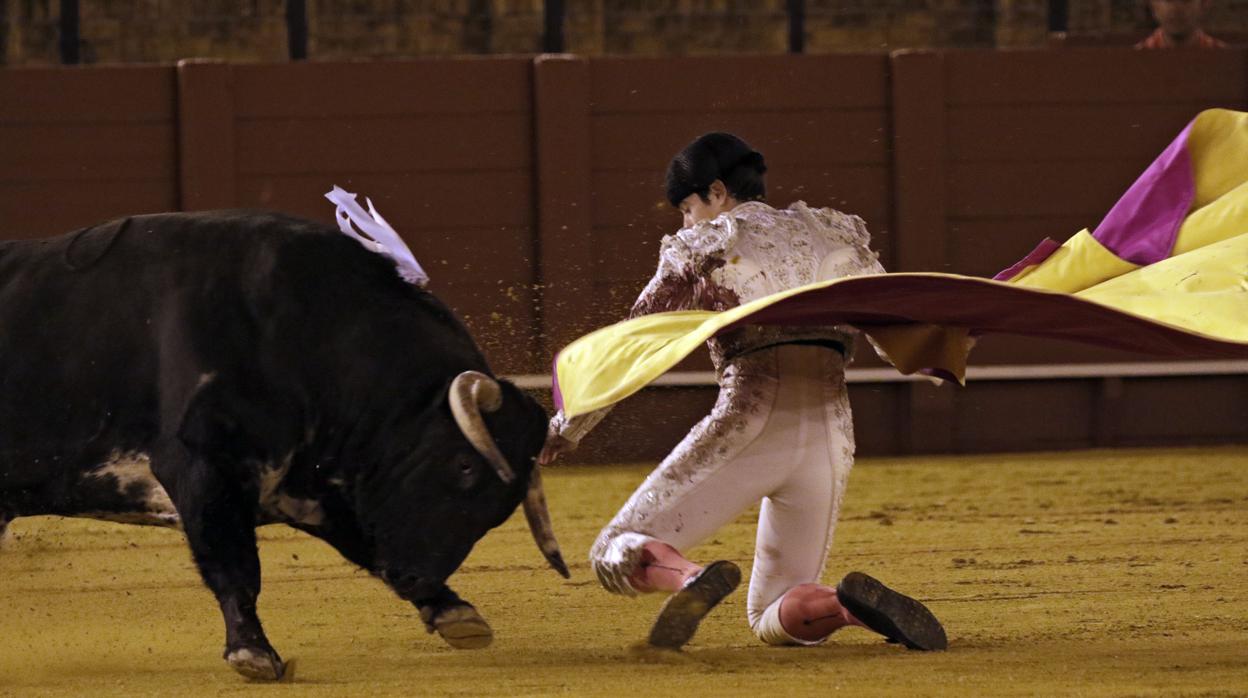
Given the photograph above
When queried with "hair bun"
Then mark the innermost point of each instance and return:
(712, 156)
(753, 160)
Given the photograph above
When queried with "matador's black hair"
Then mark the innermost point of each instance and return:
(714, 156)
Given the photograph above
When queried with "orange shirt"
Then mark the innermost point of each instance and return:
(1199, 39)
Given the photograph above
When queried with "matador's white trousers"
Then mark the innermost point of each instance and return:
(781, 432)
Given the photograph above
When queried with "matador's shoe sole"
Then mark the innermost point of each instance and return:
(891, 614)
(679, 618)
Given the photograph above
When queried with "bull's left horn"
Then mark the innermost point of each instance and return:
(472, 393)
(539, 523)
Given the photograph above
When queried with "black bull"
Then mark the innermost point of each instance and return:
(222, 370)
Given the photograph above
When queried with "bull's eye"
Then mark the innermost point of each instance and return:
(467, 472)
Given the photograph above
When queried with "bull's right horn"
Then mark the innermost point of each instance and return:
(538, 516)
(472, 393)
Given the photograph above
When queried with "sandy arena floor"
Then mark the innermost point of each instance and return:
(1120, 573)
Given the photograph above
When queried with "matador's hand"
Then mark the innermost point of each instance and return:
(555, 446)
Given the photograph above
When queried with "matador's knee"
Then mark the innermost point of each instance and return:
(616, 557)
(767, 626)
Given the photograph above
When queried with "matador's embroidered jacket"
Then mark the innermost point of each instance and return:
(752, 251)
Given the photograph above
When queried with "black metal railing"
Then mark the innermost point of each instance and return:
(69, 42)
(553, 39)
(297, 29)
(552, 26)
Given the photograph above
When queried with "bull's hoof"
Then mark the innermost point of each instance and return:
(463, 628)
(257, 664)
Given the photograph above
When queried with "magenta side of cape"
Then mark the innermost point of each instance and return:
(555, 393)
(1046, 247)
(1142, 226)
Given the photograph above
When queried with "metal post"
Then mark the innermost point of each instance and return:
(297, 29)
(797, 26)
(69, 32)
(4, 32)
(1058, 15)
(552, 30)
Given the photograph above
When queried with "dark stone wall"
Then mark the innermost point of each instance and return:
(146, 31)
(133, 31)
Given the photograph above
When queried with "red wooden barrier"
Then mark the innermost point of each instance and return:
(532, 189)
(78, 146)
(444, 148)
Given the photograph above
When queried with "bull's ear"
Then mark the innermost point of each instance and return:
(226, 422)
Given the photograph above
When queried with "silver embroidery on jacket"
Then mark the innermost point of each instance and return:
(747, 253)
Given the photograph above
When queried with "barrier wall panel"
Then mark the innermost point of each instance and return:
(502, 317)
(1036, 415)
(78, 147)
(414, 202)
(466, 86)
(564, 153)
(95, 95)
(1027, 188)
(500, 255)
(445, 150)
(500, 142)
(1016, 349)
(82, 153)
(877, 410)
(986, 246)
(919, 181)
(1080, 134)
(42, 209)
(1199, 409)
(1108, 76)
(621, 141)
(610, 300)
(624, 256)
(207, 147)
(739, 83)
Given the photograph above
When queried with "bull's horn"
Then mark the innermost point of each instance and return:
(472, 393)
(539, 523)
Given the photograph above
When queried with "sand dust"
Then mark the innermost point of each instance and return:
(1104, 573)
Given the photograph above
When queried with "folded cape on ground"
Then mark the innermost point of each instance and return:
(1166, 272)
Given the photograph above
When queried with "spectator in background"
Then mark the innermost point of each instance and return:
(1178, 25)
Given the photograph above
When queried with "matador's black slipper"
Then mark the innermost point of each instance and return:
(891, 614)
(678, 619)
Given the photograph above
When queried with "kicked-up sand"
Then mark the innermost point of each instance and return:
(1100, 573)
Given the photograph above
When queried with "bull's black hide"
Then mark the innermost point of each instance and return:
(220, 370)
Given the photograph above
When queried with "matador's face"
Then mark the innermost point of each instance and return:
(694, 209)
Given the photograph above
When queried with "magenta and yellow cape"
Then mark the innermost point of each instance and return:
(1166, 273)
